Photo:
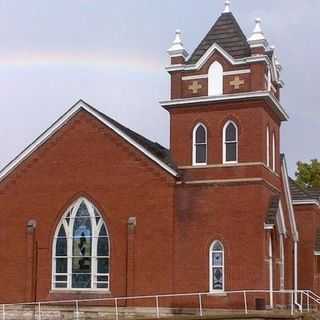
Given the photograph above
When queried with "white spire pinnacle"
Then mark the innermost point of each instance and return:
(177, 48)
(227, 6)
(258, 39)
(178, 38)
(276, 60)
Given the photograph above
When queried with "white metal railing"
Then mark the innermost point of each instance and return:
(307, 297)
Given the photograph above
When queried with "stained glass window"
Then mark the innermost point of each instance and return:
(81, 253)
(230, 142)
(200, 144)
(216, 266)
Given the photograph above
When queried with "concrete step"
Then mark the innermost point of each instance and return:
(107, 313)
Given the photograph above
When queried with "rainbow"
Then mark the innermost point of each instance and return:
(90, 60)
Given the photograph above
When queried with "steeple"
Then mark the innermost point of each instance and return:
(229, 80)
(227, 33)
(226, 64)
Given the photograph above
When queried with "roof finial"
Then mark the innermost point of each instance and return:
(178, 38)
(257, 28)
(258, 38)
(227, 6)
(177, 47)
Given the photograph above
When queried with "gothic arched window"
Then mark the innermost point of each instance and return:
(230, 143)
(215, 79)
(199, 145)
(216, 265)
(81, 249)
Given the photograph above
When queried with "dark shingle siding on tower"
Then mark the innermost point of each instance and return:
(270, 53)
(227, 33)
(272, 210)
(317, 241)
(315, 193)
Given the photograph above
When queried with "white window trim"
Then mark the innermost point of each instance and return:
(224, 143)
(95, 233)
(211, 266)
(273, 151)
(194, 145)
(268, 147)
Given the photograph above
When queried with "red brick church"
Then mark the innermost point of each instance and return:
(94, 209)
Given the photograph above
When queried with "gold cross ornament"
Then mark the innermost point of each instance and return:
(195, 87)
(236, 82)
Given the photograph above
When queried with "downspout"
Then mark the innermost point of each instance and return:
(295, 284)
(270, 271)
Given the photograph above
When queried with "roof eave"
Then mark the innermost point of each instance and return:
(306, 202)
(38, 142)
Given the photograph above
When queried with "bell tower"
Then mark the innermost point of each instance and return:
(225, 110)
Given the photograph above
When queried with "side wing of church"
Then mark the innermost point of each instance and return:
(94, 209)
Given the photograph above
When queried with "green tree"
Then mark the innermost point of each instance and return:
(308, 174)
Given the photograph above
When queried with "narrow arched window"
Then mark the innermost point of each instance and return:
(215, 79)
(273, 152)
(81, 249)
(199, 145)
(230, 143)
(268, 147)
(216, 262)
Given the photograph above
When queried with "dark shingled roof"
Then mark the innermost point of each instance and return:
(315, 193)
(270, 53)
(272, 210)
(154, 148)
(317, 240)
(298, 193)
(227, 33)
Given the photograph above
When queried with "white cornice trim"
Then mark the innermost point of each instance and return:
(226, 73)
(222, 181)
(235, 72)
(228, 181)
(226, 55)
(59, 123)
(226, 165)
(196, 77)
(230, 165)
(305, 202)
(227, 97)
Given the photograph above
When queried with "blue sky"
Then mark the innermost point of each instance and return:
(113, 54)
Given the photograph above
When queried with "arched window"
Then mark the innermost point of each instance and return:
(81, 249)
(230, 143)
(273, 152)
(199, 145)
(216, 259)
(268, 147)
(215, 79)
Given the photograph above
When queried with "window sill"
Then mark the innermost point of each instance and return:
(80, 292)
(217, 293)
(197, 165)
